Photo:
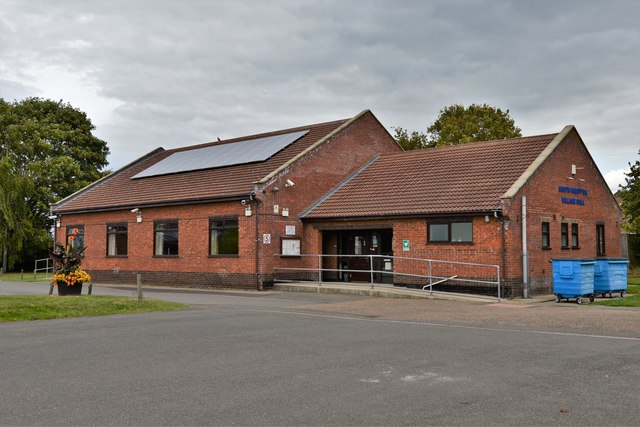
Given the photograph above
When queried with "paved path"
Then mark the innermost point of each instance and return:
(314, 359)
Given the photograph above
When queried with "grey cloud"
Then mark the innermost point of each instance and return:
(185, 72)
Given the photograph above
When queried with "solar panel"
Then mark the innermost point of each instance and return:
(234, 153)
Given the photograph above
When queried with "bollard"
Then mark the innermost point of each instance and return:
(139, 283)
(51, 288)
(21, 273)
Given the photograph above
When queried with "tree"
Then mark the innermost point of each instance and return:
(630, 194)
(459, 125)
(52, 143)
(16, 188)
(415, 141)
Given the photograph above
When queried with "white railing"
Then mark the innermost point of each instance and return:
(48, 267)
(429, 264)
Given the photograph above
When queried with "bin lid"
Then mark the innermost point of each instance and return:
(616, 260)
(574, 259)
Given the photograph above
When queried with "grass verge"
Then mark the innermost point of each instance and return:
(42, 307)
(631, 300)
(25, 277)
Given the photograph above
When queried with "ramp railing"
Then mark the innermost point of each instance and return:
(421, 272)
(44, 264)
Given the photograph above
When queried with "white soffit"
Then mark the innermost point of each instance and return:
(220, 155)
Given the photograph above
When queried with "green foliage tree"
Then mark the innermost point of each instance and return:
(630, 194)
(52, 143)
(459, 125)
(16, 187)
(414, 141)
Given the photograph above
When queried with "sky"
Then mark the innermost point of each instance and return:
(175, 73)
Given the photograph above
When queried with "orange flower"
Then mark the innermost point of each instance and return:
(71, 238)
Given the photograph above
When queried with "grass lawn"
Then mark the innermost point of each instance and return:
(631, 300)
(41, 307)
(26, 277)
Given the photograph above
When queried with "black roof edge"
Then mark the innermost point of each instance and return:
(404, 216)
(159, 205)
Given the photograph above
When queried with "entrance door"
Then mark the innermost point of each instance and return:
(361, 246)
(365, 243)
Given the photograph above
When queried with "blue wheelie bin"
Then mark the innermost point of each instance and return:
(610, 275)
(573, 278)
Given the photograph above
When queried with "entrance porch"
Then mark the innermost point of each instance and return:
(357, 253)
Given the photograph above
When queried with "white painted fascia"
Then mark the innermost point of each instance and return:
(311, 148)
(533, 167)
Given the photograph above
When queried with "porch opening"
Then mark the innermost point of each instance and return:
(352, 243)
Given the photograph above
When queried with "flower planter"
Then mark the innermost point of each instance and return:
(64, 289)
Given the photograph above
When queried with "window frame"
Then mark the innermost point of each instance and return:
(224, 227)
(600, 239)
(449, 223)
(575, 237)
(118, 233)
(545, 233)
(564, 235)
(158, 222)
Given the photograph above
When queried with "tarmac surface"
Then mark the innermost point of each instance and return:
(289, 358)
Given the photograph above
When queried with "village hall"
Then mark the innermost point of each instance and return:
(342, 201)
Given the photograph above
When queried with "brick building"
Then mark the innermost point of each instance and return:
(229, 213)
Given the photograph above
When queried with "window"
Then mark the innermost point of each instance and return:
(451, 232)
(575, 242)
(166, 238)
(438, 232)
(117, 236)
(564, 235)
(546, 236)
(223, 236)
(600, 247)
(75, 236)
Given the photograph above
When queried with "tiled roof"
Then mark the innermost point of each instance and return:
(455, 179)
(119, 190)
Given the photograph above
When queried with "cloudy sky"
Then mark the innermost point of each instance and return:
(175, 73)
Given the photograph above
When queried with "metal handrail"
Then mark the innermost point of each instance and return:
(372, 271)
(46, 268)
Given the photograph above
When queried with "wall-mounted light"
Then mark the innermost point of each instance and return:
(56, 220)
(138, 213)
(289, 183)
(247, 211)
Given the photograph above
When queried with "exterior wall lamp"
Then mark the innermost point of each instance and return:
(138, 213)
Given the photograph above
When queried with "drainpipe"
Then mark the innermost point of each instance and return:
(504, 248)
(259, 285)
(525, 256)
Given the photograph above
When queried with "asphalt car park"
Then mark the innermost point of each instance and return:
(276, 358)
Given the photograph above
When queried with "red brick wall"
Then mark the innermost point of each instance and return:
(485, 249)
(544, 203)
(193, 231)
